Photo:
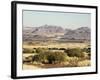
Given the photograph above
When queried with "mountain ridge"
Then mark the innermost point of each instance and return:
(46, 32)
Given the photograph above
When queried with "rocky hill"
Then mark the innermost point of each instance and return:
(82, 33)
(47, 32)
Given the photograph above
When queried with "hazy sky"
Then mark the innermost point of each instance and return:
(66, 20)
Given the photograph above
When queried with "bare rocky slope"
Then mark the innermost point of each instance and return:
(47, 32)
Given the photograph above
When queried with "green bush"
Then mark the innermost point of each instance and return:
(40, 50)
(40, 57)
(36, 58)
(50, 57)
(87, 50)
(74, 52)
(56, 57)
(89, 55)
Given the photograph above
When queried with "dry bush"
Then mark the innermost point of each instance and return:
(50, 57)
(84, 63)
(77, 62)
(74, 52)
(72, 61)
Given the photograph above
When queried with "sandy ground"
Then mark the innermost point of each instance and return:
(28, 54)
(62, 45)
(30, 67)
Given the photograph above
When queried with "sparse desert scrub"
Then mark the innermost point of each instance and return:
(77, 62)
(58, 54)
(72, 61)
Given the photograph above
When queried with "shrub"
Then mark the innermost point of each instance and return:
(62, 49)
(41, 50)
(72, 61)
(89, 55)
(84, 63)
(40, 57)
(36, 58)
(50, 57)
(53, 49)
(74, 52)
(87, 50)
(33, 51)
(56, 57)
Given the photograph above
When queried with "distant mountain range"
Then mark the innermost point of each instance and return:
(50, 32)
